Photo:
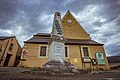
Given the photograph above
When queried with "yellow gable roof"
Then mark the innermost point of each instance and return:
(72, 28)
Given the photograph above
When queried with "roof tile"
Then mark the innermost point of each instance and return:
(69, 41)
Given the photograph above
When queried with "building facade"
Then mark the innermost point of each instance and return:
(9, 51)
(80, 50)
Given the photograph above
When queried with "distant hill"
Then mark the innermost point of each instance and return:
(114, 59)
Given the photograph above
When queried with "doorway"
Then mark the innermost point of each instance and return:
(7, 59)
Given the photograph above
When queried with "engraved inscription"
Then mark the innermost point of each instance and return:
(58, 51)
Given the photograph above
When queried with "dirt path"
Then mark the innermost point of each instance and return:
(14, 73)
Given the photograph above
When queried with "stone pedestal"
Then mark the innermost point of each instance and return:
(57, 66)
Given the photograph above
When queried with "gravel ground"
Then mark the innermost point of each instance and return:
(17, 73)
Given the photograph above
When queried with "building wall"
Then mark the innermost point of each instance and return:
(75, 56)
(3, 53)
(6, 51)
(32, 56)
(3, 46)
(14, 52)
(93, 50)
(73, 30)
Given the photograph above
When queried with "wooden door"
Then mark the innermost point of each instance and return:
(7, 60)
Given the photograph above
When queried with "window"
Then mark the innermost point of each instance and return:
(12, 39)
(69, 20)
(85, 51)
(66, 52)
(43, 51)
(11, 47)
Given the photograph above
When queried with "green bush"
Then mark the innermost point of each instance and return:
(34, 69)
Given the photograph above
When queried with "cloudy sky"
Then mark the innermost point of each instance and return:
(100, 18)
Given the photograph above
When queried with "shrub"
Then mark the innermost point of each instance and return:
(34, 69)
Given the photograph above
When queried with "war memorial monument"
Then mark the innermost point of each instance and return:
(57, 48)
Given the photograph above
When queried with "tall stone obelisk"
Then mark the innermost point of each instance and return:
(57, 48)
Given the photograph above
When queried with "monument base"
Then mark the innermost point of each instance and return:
(57, 66)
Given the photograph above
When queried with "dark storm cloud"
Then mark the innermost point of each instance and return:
(7, 11)
(92, 31)
(100, 18)
(107, 31)
(111, 9)
(114, 50)
(98, 23)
